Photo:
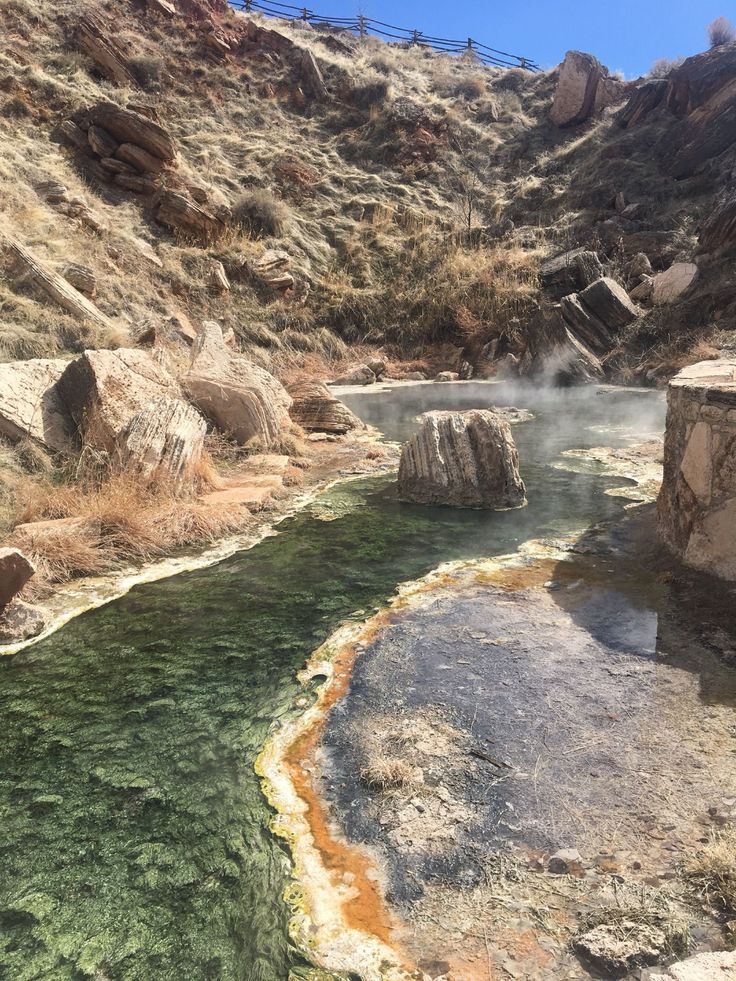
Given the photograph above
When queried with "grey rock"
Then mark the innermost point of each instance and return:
(462, 459)
(315, 409)
(610, 303)
(21, 621)
(359, 374)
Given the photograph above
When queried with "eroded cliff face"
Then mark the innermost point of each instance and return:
(697, 503)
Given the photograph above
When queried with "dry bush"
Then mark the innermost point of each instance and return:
(149, 70)
(387, 774)
(713, 871)
(721, 31)
(663, 67)
(370, 91)
(260, 212)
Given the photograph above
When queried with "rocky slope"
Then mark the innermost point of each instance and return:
(213, 205)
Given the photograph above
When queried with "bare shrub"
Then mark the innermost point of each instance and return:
(663, 67)
(713, 871)
(148, 69)
(260, 212)
(721, 31)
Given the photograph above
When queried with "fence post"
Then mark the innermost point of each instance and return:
(305, 14)
(470, 44)
(248, 6)
(361, 25)
(415, 37)
(522, 62)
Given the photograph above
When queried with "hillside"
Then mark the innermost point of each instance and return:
(322, 197)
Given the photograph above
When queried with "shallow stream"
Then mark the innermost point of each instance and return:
(134, 837)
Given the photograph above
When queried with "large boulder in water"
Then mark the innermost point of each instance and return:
(464, 459)
(236, 395)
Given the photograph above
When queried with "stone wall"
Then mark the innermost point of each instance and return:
(697, 503)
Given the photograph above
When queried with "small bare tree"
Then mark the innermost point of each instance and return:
(721, 31)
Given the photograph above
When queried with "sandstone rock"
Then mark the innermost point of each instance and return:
(463, 459)
(139, 158)
(699, 78)
(104, 51)
(15, 571)
(719, 231)
(20, 621)
(187, 218)
(564, 861)
(82, 278)
(162, 7)
(235, 395)
(315, 409)
(312, 75)
(643, 291)
(637, 268)
(358, 374)
(377, 366)
(103, 390)
(73, 135)
(717, 965)
(272, 268)
(164, 441)
(31, 406)
(447, 376)
(128, 126)
(561, 269)
(622, 947)
(643, 100)
(588, 267)
(570, 360)
(669, 286)
(585, 324)
(583, 89)
(697, 503)
(101, 142)
(217, 278)
(110, 167)
(137, 184)
(610, 303)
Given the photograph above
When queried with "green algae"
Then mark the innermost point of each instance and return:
(135, 842)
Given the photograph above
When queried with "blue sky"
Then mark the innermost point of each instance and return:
(626, 35)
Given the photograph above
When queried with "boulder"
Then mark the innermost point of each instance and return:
(584, 88)
(20, 621)
(588, 268)
(643, 290)
(561, 270)
(718, 965)
(719, 231)
(182, 215)
(312, 75)
(669, 286)
(217, 279)
(585, 324)
(377, 365)
(129, 126)
(696, 507)
(139, 158)
(610, 303)
(15, 571)
(101, 142)
(358, 374)
(699, 78)
(31, 405)
(565, 861)
(623, 946)
(236, 395)
(447, 376)
(571, 361)
(164, 441)
(315, 409)
(462, 459)
(103, 390)
(82, 278)
(272, 268)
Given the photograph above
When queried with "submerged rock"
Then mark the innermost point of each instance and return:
(463, 459)
(20, 621)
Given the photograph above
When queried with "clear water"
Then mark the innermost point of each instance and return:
(134, 838)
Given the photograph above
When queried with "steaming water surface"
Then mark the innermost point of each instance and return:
(134, 838)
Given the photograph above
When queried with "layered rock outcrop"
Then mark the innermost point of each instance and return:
(317, 410)
(697, 503)
(463, 459)
(237, 396)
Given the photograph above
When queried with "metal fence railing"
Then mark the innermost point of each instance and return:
(367, 25)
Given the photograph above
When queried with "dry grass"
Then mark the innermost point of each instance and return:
(713, 872)
(643, 907)
(387, 774)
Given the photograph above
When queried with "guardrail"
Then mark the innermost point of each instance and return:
(363, 26)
